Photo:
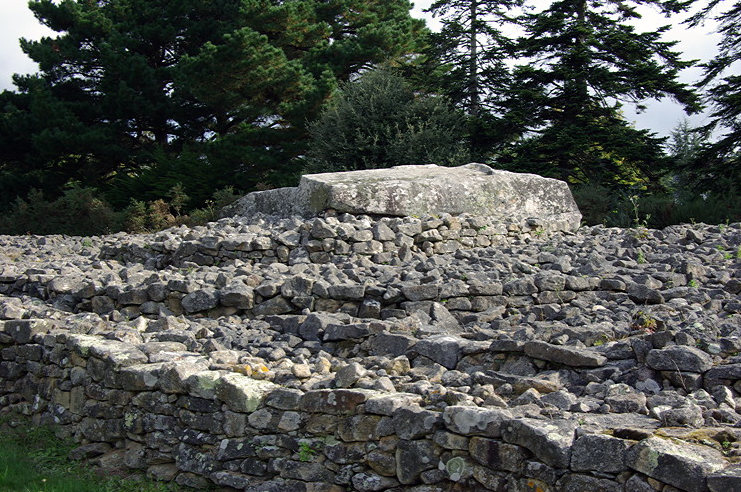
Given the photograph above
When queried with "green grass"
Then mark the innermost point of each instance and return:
(33, 459)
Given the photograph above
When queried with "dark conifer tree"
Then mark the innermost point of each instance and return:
(470, 54)
(580, 60)
(718, 164)
(147, 93)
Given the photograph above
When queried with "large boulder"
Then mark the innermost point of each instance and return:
(474, 189)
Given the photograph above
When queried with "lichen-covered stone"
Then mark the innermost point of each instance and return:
(550, 440)
(681, 464)
(417, 190)
(600, 453)
(679, 358)
(240, 393)
(412, 458)
(472, 421)
(334, 401)
(569, 356)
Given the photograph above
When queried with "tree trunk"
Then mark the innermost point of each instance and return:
(473, 81)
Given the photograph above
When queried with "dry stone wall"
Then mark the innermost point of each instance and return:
(605, 359)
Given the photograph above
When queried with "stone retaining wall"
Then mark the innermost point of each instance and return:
(159, 408)
(320, 240)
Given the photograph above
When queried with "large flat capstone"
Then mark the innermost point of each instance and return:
(402, 191)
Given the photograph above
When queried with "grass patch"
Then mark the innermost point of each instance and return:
(33, 459)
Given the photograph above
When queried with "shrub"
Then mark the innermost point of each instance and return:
(220, 199)
(378, 121)
(79, 212)
(600, 205)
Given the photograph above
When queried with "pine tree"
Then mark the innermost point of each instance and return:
(584, 60)
(470, 54)
(718, 164)
(133, 94)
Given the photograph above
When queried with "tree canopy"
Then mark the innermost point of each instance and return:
(718, 164)
(584, 59)
(136, 98)
(137, 93)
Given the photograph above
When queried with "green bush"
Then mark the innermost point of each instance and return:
(600, 205)
(378, 121)
(220, 199)
(79, 212)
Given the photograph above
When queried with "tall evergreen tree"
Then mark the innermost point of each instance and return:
(143, 92)
(585, 60)
(472, 51)
(718, 164)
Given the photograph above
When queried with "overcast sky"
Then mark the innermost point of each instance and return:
(17, 21)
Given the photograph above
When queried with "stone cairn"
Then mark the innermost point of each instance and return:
(351, 351)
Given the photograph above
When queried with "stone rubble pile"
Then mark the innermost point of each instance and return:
(349, 352)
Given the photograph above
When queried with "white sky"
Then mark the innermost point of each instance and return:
(17, 21)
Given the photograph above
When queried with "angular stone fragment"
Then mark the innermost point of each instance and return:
(23, 330)
(443, 349)
(173, 376)
(240, 393)
(412, 458)
(191, 459)
(681, 464)
(371, 482)
(642, 294)
(200, 300)
(471, 421)
(577, 481)
(391, 344)
(232, 479)
(413, 422)
(599, 452)
(284, 399)
(388, 404)
(141, 377)
(727, 480)
(237, 294)
(347, 292)
(337, 332)
(569, 356)
(549, 440)
(497, 455)
(233, 449)
(302, 470)
(421, 292)
(679, 358)
(276, 305)
(203, 384)
(334, 401)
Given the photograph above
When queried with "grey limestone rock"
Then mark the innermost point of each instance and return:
(726, 480)
(444, 349)
(599, 452)
(550, 440)
(240, 393)
(200, 300)
(681, 464)
(413, 422)
(413, 458)
(570, 356)
(679, 358)
(475, 421)
(417, 190)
